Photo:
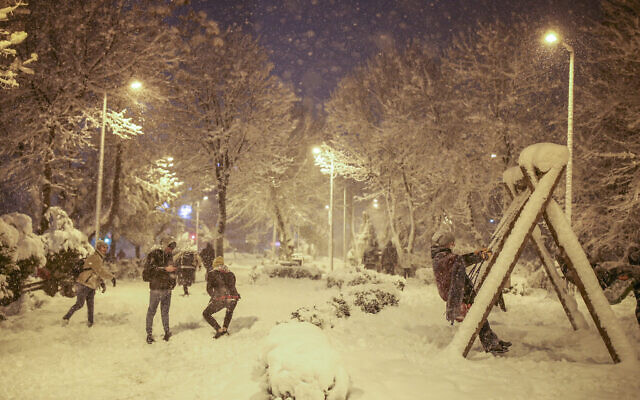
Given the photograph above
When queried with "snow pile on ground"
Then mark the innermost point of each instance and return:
(301, 364)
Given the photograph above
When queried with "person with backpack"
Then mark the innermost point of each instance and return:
(159, 271)
(91, 276)
(207, 255)
(456, 288)
(187, 262)
(221, 286)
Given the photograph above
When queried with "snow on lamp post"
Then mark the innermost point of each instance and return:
(320, 157)
(135, 85)
(551, 37)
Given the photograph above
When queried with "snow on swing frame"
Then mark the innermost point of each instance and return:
(541, 166)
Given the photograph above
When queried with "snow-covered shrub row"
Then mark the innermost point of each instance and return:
(299, 363)
(325, 315)
(373, 299)
(21, 252)
(357, 277)
(279, 271)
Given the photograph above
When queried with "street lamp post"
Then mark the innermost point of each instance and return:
(134, 85)
(552, 38)
(344, 227)
(317, 151)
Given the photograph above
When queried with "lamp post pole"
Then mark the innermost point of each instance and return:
(344, 227)
(331, 217)
(568, 194)
(197, 223)
(100, 167)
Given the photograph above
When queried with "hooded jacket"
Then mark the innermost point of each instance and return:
(93, 271)
(160, 279)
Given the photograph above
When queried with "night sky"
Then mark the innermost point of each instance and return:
(314, 43)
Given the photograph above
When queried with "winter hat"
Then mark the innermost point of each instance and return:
(168, 242)
(218, 261)
(443, 238)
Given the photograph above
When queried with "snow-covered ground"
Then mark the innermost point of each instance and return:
(395, 354)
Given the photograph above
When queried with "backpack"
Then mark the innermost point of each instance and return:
(188, 259)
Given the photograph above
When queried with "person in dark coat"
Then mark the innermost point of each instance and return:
(187, 261)
(90, 278)
(455, 287)
(221, 286)
(208, 254)
(389, 259)
(162, 280)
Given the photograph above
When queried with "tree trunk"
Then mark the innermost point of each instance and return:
(115, 201)
(138, 251)
(222, 213)
(46, 186)
(285, 244)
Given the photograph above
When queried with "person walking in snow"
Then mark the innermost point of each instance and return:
(455, 286)
(90, 278)
(221, 286)
(207, 255)
(187, 261)
(162, 279)
(389, 259)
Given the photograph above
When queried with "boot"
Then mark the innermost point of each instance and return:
(166, 336)
(150, 338)
(219, 333)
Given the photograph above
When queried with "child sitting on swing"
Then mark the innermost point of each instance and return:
(455, 286)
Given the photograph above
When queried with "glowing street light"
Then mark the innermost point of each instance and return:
(317, 151)
(135, 85)
(552, 38)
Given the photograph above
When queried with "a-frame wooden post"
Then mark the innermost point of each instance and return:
(512, 179)
(551, 160)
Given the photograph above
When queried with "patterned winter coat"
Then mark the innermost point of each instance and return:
(454, 286)
(93, 271)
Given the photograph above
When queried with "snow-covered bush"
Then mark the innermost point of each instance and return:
(325, 315)
(299, 363)
(66, 246)
(296, 272)
(363, 277)
(21, 253)
(373, 300)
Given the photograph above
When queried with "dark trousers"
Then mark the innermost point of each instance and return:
(216, 305)
(82, 293)
(162, 297)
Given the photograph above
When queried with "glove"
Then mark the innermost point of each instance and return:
(103, 287)
(484, 253)
(113, 280)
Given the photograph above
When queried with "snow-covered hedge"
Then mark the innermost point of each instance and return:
(279, 271)
(21, 252)
(65, 247)
(325, 315)
(300, 364)
(373, 300)
(357, 277)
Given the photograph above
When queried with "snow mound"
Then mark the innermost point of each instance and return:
(301, 364)
(544, 156)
